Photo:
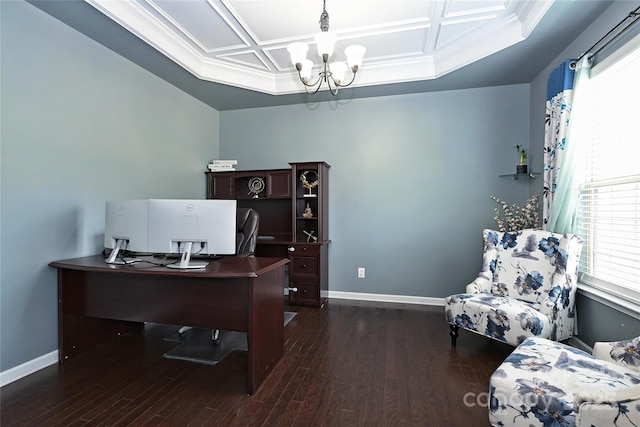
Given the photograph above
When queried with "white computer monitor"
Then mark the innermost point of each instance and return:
(125, 228)
(188, 227)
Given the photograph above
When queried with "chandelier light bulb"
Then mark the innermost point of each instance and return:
(355, 54)
(325, 42)
(298, 52)
(305, 70)
(338, 69)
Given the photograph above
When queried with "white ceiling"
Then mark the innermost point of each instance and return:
(243, 43)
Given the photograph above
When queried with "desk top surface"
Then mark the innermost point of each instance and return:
(228, 266)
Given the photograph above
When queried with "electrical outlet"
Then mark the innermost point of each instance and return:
(360, 272)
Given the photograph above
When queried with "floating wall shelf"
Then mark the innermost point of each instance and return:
(531, 175)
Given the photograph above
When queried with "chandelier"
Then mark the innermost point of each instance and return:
(331, 73)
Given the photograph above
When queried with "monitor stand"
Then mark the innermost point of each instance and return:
(120, 245)
(185, 259)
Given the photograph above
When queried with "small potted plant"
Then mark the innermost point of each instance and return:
(522, 167)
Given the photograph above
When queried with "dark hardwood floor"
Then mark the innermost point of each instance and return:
(348, 364)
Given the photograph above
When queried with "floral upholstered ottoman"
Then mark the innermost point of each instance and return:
(546, 383)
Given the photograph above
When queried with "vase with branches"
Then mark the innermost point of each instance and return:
(513, 217)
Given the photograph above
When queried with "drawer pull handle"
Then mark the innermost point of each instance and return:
(293, 289)
(304, 265)
(291, 249)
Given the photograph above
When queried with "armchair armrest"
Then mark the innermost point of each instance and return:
(603, 407)
(625, 353)
(479, 285)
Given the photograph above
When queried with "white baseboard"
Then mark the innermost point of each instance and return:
(28, 368)
(405, 299)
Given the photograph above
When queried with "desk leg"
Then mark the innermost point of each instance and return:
(265, 337)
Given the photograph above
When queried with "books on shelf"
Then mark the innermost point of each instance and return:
(223, 162)
(222, 165)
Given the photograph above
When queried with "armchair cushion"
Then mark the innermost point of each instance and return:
(501, 318)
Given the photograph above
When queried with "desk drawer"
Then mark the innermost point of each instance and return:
(307, 293)
(304, 250)
(302, 265)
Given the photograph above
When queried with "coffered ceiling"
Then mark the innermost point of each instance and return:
(232, 54)
(243, 42)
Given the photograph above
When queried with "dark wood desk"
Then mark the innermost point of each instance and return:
(97, 301)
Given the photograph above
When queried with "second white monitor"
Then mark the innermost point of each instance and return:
(206, 226)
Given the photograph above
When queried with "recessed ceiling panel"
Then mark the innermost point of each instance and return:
(451, 31)
(390, 45)
(199, 21)
(280, 58)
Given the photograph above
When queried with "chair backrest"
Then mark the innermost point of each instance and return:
(247, 221)
(532, 265)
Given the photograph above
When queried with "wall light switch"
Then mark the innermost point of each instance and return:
(360, 272)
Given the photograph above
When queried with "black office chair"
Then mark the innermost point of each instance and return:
(247, 221)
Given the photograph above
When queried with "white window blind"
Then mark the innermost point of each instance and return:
(609, 210)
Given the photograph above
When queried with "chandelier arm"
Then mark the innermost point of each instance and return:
(318, 82)
(334, 89)
(317, 87)
(353, 78)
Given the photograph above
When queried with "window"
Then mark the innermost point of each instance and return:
(609, 207)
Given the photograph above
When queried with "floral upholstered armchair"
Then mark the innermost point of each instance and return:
(526, 287)
(546, 383)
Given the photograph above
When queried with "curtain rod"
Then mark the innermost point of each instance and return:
(633, 14)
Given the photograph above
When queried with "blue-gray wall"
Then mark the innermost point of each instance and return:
(80, 125)
(410, 180)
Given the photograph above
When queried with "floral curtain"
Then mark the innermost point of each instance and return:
(564, 172)
(558, 111)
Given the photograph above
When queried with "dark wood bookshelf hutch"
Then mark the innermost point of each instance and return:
(293, 220)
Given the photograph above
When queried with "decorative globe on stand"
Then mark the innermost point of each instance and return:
(256, 186)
